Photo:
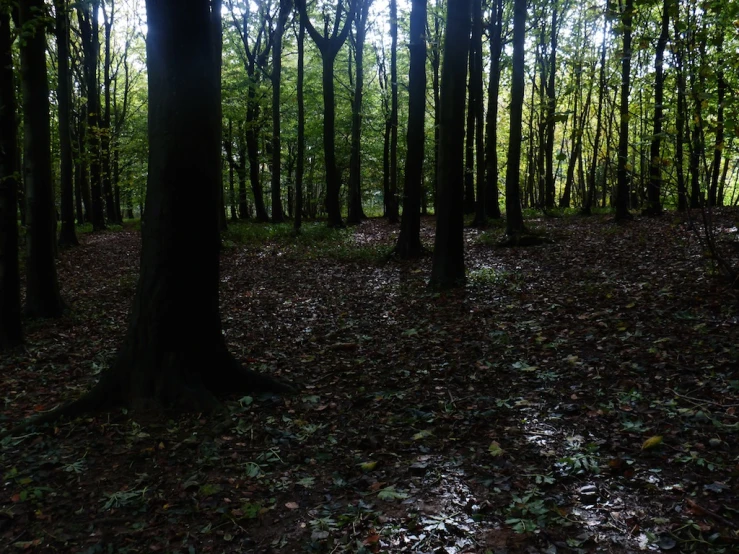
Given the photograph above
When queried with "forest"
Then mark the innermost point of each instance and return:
(360, 276)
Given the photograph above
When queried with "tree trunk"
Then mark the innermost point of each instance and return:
(713, 196)
(437, 40)
(468, 204)
(329, 46)
(87, 16)
(476, 71)
(105, 128)
(277, 214)
(514, 215)
(551, 111)
(590, 199)
(67, 234)
(393, 190)
(409, 241)
(448, 263)
(174, 353)
(355, 211)
(492, 206)
(624, 172)
(42, 288)
(300, 167)
(11, 332)
(654, 190)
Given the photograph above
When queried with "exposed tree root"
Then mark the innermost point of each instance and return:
(186, 389)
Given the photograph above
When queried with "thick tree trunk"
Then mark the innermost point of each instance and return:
(514, 215)
(409, 242)
(174, 353)
(42, 288)
(11, 333)
(624, 173)
(448, 264)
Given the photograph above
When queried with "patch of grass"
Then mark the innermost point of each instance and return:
(315, 241)
(488, 276)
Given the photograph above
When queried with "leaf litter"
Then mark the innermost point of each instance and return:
(578, 396)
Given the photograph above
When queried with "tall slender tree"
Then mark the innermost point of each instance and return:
(88, 18)
(654, 188)
(11, 333)
(299, 169)
(624, 168)
(278, 215)
(514, 215)
(476, 107)
(42, 288)
(409, 241)
(495, 30)
(447, 268)
(67, 233)
(329, 45)
(356, 213)
(392, 201)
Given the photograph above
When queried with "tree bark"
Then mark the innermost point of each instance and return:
(654, 189)
(11, 332)
(393, 212)
(329, 45)
(492, 207)
(278, 215)
(174, 353)
(624, 171)
(514, 215)
(67, 233)
(447, 268)
(409, 241)
(87, 15)
(300, 166)
(42, 288)
(355, 211)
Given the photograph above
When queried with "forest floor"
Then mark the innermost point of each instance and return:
(579, 396)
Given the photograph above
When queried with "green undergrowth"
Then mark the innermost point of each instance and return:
(315, 241)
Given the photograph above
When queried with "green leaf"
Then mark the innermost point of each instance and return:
(389, 493)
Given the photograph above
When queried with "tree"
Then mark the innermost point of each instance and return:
(284, 11)
(409, 241)
(476, 108)
(11, 333)
(447, 268)
(67, 233)
(654, 188)
(624, 170)
(492, 208)
(514, 215)
(301, 128)
(88, 19)
(392, 200)
(174, 353)
(42, 288)
(255, 54)
(329, 45)
(551, 109)
(356, 214)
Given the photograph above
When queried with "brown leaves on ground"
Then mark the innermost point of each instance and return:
(520, 414)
